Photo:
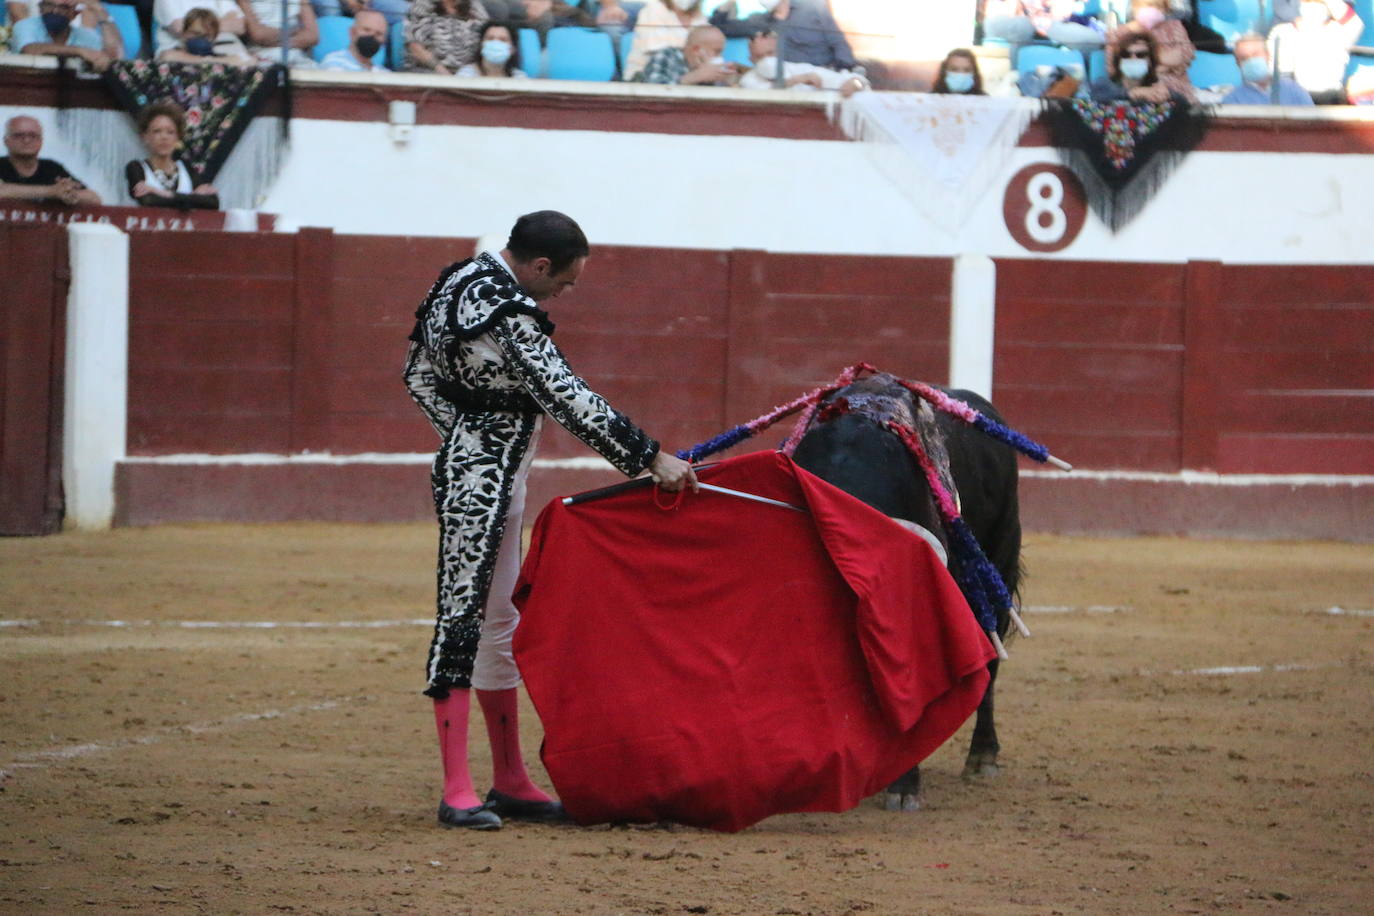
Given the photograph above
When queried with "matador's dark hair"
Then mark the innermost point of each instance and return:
(548, 234)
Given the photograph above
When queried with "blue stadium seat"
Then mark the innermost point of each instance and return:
(1032, 56)
(626, 40)
(531, 53)
(737, 50)
(581, 54)
(396, 46)
(126, 20)
(1097, 65)
(1233, 18)
(1209, 69)
(1366, 10)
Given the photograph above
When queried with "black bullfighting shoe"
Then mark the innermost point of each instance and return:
(518, 809)
(479, 818)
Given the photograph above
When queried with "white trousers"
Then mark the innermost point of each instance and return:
(494, 666)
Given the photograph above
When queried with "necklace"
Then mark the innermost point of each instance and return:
(167, 179)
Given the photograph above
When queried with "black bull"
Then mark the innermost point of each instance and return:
(854, 451)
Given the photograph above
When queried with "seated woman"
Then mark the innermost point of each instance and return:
(1173, 48)
(959, 74)
(161, 180)
(498, 55)
(442, 35)
(203, 43)
(1132, 57)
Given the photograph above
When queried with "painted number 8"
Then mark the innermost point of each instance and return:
(1045, 192)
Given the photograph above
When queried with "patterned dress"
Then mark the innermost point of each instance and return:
(484, 370)
(452, 40)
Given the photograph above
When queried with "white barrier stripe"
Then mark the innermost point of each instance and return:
(47, 756)
(260, 459)
(1349, 612)
(234, 624)
(1209, 478)
(1247, 669)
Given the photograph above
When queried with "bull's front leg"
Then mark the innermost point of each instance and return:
(982, 750)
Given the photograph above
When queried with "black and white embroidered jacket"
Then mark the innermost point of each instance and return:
(478, 331)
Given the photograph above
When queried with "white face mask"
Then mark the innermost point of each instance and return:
(683, 6)
(1133, 68)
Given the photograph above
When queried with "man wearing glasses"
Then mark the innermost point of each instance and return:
(23, 176)
(53, 32)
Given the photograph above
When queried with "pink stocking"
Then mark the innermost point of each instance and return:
(503, 729)
(451, 719)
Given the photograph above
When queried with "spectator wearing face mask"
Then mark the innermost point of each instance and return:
(763, 52)
(1173, 47)
(171, 14)
(959, 74)
(1132, 57)
(1252, 55)
(498, 55)
(366, 37)
(661, 24)
(1315, 47)
(699, 63)
(55, 32)
(202, 42)
(807, 31)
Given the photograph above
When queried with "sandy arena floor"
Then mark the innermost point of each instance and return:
(1189, 730)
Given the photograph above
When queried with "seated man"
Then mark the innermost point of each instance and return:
(263, 24)
(365, 38)
(697, 64)
(1252, 54)
(1020, 22)
(54, 32)
(809, 32)
(1315, 48)
(763, 51)
(23, 176)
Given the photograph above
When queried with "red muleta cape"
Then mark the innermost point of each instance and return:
(728, 660)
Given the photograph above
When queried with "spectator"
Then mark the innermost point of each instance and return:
(1172, 45)
(1020, 22)
(442, 35)
(808, 31)
(53, 32)
(1315, 47)
(1132, 58)
(91, 16)
(263, 23)
(23, 176)
(171, 14)
(661, 24)
(959, 74)
(1252, 54)
(499, 55)
(763, 52)
(161, 180)
(202, 42)
(699, 63)
(541, 15)
(366, 37)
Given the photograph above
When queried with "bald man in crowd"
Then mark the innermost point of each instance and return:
(24, 176)
(698, 63)
(366, 37)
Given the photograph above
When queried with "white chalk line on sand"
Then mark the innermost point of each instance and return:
(61, 753)
(234, 624)
(1349, 612)
(1075, 608)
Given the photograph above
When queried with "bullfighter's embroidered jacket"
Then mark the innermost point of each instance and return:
(483, 369)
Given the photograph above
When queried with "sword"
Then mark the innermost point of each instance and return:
(641, 482)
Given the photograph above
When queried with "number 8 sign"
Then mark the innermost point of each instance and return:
(1044, 207)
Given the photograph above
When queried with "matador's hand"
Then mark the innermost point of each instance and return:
(672, 473)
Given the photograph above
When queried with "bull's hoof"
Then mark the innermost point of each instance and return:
(901, 801)
(980, 766)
